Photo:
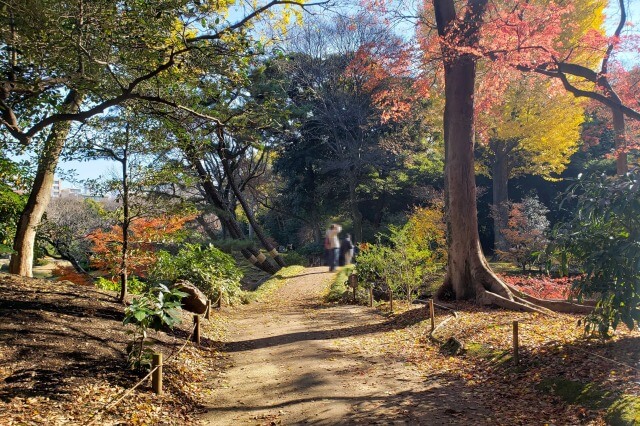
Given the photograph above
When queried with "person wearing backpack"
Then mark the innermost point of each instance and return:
(346, 251)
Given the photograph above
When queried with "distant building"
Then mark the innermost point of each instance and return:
(58, 191)
(55, 189)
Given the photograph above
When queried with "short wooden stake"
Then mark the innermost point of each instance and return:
(156, 377)
(516, 354)
(196, 330)
(371, 296)
(207, 313)
(391, 299)
(353, 278)
(432, 314)
(220, 301)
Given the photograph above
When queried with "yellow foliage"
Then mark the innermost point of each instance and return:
(426, 224)
(545, 121)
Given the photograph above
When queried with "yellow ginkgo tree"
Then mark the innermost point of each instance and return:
(533, 132)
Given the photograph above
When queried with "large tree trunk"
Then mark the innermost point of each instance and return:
(23, 244)
(468, 274)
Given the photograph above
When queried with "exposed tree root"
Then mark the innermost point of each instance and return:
(561, 306)
(442, 323)
(491, 290)
(486, 297)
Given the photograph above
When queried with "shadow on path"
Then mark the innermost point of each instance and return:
(424, 407)
(403, 320)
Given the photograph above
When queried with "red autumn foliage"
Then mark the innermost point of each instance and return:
(68, 273)
(145, 235)
(541, 286)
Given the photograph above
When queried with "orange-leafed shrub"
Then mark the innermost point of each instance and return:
(68, 273)
(144, 237)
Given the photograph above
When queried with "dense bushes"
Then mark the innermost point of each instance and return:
(211, 270)
(604, 238)
(414, 253)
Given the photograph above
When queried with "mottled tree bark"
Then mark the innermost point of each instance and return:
(620, 136)
(24, 242)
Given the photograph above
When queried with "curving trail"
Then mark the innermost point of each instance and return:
(287, 365)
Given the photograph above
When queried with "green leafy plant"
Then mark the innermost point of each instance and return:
(604, 238)
(160, 307)
(135, 285)
(412, 256)
(371, 265)
(211, 270)
(295, 258)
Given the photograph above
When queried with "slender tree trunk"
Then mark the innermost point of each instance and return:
(226, 217)
(205, 226)
(126, 222)
(500, 178)
(619, 130)
(23, 244)
(356, 215)
(252, 221)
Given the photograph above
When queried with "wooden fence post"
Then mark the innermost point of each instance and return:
(432, 314)
(516, 354)
(353, 282)
(220, 301)
(207, 314)
(156, 377)
(371, 296)
(391, 299)
(196, 330)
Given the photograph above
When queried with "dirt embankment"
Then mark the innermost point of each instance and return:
(62, 359)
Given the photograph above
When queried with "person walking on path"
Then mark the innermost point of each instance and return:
(332, 245)
(346, 250)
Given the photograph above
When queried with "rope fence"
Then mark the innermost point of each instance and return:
(515, 324)
(531, 329)
(126, 392)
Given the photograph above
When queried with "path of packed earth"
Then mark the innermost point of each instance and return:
(290, 363)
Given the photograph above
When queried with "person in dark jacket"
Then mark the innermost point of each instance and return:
(346, 250)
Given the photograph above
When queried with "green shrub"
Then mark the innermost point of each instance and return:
(135, 286)
(371, 265)
(604, 238)
(338, 289)
(402, 267)
(295, 258)
(106, 284)
(160, 307)
(312, 252)
(209, 269)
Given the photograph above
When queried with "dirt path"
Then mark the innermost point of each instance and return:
(289, 364)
